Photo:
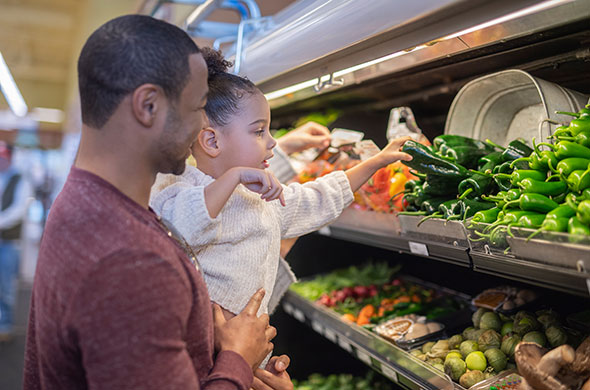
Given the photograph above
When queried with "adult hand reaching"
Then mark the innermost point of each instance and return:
(246, 334)
(275, 376)
(309, 135)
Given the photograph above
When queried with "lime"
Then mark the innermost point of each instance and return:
(476, 361)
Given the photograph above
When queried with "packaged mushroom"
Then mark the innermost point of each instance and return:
(408, 330)
(504, 299)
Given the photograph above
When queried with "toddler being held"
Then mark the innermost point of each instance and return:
(231, 209)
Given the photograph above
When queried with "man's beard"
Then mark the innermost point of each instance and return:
(171, 162)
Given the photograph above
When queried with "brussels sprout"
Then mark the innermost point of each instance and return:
(509, 344)
(451, 355)
(525, 324)
(468, 346)
(427, 346)
(468, 332)
(455, 368)
(548, 319)
(556, 336)
(439, 366)
(535, 337)
(507, 328)
(470, 378)
(490, 320)
(455, 340)
(476, 317)
(476, 360)
(489, 339)
(496, 359)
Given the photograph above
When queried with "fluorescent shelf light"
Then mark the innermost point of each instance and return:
(514, 15)
(50, 115)
(11, 93)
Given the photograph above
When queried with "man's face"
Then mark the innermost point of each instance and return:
(184, 120)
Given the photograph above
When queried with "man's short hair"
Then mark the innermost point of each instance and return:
(125, 53)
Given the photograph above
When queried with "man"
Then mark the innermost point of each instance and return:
(14, 192)
(117, 303)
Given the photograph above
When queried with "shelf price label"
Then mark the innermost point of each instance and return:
(298, 314)
(418, 248)
(288, 308)
(344, 344)
(317, 327)
(363, 356)
(330, 335)
(325, 231)
(389, 372)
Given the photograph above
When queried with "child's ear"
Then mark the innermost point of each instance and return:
(209, 141)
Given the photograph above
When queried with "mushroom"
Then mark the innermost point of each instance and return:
(539, 370)
(581, 365)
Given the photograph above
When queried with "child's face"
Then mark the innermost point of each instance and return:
(246, 141)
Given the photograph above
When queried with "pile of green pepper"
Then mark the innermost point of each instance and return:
(515, 186)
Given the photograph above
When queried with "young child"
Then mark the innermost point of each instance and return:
(231, 209)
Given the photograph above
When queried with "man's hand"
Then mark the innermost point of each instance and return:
(309, 135)
(262, 182)
(275, 377)
(245, 334)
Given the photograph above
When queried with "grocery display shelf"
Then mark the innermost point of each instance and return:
(555, 265)
(379, 354)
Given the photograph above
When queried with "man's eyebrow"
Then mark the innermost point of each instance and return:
(261, 121)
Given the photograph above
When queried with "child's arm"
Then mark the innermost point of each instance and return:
(359, 174)
(257, 180)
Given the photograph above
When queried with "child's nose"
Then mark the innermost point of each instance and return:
(272, 143)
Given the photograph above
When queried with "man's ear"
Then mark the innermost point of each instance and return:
(147, 103)
(209, 141)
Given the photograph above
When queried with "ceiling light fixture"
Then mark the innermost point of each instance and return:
(10, 90)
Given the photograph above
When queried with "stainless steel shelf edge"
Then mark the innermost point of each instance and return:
(382, 356)
(537, 274)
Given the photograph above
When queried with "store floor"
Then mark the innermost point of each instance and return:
(12, 348)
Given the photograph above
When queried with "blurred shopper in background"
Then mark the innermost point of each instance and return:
(14, 193)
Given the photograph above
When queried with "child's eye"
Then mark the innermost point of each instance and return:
(259, 133)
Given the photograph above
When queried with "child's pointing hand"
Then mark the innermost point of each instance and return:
(262, 182)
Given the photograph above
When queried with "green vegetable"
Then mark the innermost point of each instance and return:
(556, 336)
(542, 187)
(568, 165)
(582, 138)
(468, 346)
(509, 343)
(506, 328)
(520, 174)
(578, 180)
(489, 339)
(427, 346)
(535, 337)
(565, 149)
(452, 140)
(533, 202)
(467, 332)
(577, 228)
(477, 315)
(455, 368)
(547, 318)
(496, 358)
(490, 320)
(476, 361)
(525, 322)
(583, 212)
(455, 341)
(452, 355)
(463, 154)
(471, 378)
(427, 162)
(485, 216)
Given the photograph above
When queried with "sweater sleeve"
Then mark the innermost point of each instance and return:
(128, 320)
(314, 204)
(183, 204)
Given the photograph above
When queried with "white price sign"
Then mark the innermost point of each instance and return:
(344, 345)
(418, 248)
(317, 327)
(388, 372)
(325, 231)
(330, 335)
(363, 356)
(288, 308)
(298, 314)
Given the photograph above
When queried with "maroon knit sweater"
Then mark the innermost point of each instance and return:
(117, 304)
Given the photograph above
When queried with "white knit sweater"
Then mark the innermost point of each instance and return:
(239, 249)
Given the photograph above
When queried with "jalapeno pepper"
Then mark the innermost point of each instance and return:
(584, 112)
(520, 174)
(568, 165)
(543, 187)
(552, 225)
(583, 212)
(582, 138)
(515, 149)
(576, 227)
(527, 221)
(533, 202)
(578, 180)
(431, 205)
(565, 149)
(485, 216)
(427, 162)
(579, 125)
